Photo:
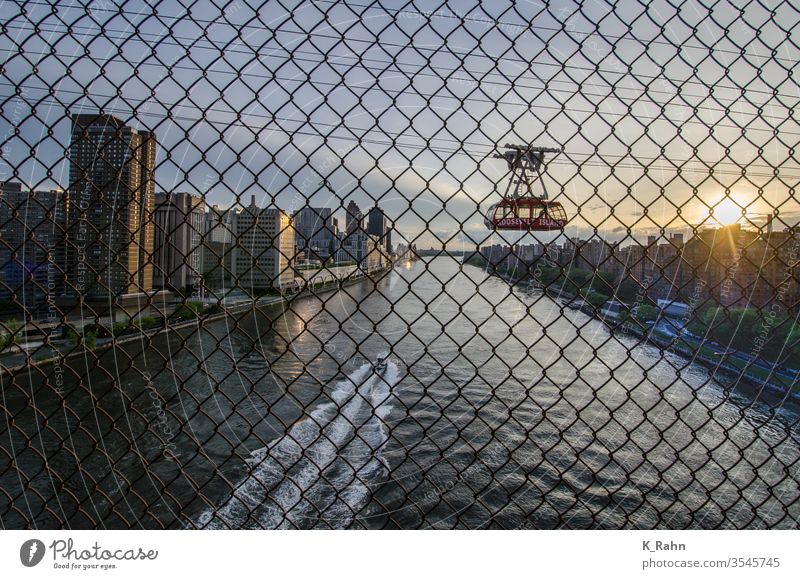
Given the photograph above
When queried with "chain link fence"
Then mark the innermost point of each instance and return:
(277, 265)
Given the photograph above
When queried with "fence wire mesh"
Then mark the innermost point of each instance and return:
(278, 265)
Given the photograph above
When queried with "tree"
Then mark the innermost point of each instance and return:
(70, 332)
(646, 312)
(627, 290)
(604, 282)
(90, 339)
(733, 327)
(594, 299)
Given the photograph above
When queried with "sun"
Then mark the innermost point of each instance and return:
(725, 212)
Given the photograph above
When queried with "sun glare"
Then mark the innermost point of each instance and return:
(725, 212)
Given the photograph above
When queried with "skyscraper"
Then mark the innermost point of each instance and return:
(353, 218)
(179, 227)
(31, 244)
(315, 232)
(376, 222)
(378, 225)
(264, 249)
(110, 230)
(218, 247)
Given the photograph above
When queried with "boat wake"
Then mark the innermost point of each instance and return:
(319, 473)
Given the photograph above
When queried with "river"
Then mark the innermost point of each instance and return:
(498, 409)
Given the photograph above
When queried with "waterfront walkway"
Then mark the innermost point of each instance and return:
(42, 342)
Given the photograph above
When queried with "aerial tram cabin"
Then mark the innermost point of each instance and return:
(520, 209)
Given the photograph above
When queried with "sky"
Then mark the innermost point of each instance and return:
(660, 113)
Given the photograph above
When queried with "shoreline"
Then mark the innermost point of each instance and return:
(664, 346)
(261, 302)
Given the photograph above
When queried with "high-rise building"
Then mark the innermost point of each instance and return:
(376, 222)
(110, 228)
(378, 226)
(353, 218)
(218, 247)
(264, 249)
(31, 244)
(179, 226)
(737, 267)
(10, 187)
(362, 248)
(315, 232)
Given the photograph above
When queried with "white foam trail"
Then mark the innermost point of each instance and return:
(319, 472)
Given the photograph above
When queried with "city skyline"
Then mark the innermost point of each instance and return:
(121, 237)
(640, 86)
(725, 212)
(115, 127)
